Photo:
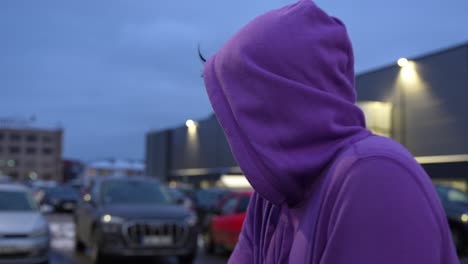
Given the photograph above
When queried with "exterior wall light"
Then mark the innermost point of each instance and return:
(403, 62)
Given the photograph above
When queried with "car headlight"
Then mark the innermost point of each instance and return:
(464, 218)
(111, 224)
(110, 219)
(40, 232)
(191, 220)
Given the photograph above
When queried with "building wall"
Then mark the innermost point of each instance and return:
(188, 152)
(202, 148)
(29, 153)
(428, 115)
(157, 154)
(430, 106)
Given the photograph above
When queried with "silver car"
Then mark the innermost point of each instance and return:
(24, 232)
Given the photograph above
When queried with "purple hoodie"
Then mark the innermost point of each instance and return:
(327, 191)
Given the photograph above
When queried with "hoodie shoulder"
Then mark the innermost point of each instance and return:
(374, 147)
(378, 204)
(384, 211)
(375, 153)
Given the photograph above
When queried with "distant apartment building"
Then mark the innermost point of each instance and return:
(30, 152)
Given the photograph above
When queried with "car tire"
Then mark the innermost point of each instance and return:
(457, 237)
(188, 259)
(79, 244)
(208, 243)
(96, 255)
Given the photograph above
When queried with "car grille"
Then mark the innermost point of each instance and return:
(14, 255)
(134, 232)
(13, 236)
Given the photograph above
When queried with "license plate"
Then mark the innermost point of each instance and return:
(157, 241)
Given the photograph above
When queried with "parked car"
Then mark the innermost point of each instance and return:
(76, 184)
(181, 198)
(5, 179)
(61, 199)
(24, 232)
(226, 225)
(206, 201)
(134, 216)
(455, 204)
(39, 188)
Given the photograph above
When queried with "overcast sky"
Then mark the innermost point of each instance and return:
(109, 71)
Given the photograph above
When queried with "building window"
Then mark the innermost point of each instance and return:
(13, 174)
(1, 136)
(47, 151)
(15, 150)
(15, 137)
(32, 175)
(31, 138)
(378, 117)
(31, 150)
(12, 163)
(30, 164)
(47, 139)
(47, 176)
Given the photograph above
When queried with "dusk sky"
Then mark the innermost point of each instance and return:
(110, 71)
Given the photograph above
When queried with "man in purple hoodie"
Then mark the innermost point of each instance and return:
(327, 191)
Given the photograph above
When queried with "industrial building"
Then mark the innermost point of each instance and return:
(421, 102)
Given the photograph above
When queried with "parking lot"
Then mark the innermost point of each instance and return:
(63, 233)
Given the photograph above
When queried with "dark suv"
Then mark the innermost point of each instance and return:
(134, 216)
(455, 203)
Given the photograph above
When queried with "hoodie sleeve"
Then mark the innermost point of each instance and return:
(385, 214)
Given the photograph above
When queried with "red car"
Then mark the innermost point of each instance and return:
(226, 224)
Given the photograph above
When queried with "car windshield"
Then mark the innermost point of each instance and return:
(133, 192)
(452, 195)
(210, 197)
(62, 192)
(175, 194)
(16, 201)
(457, 196)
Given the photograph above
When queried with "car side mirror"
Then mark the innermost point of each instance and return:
(46, 209)
(217, 211)
(88, 199)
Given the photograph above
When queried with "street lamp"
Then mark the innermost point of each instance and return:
(403, 62)
(191, 124)
(408, 75)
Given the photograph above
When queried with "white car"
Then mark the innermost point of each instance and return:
(24, 232)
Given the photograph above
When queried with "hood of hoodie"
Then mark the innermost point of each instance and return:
(283, 90)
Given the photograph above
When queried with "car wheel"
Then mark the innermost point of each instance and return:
(79, 245)
(208, 243)
(187, 259)
(457, 237)
(96, 255)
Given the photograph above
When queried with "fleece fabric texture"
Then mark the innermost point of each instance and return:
(327, 191)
